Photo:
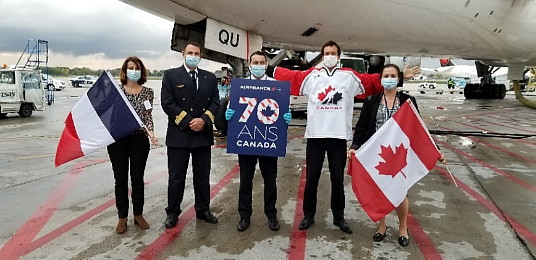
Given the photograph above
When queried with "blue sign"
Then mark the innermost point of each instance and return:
(258, 127)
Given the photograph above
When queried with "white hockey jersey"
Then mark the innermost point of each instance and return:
(330, 102)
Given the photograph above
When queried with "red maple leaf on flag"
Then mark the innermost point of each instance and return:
(322, 95)
(394, 162)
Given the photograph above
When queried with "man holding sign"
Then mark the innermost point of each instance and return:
(257, 135)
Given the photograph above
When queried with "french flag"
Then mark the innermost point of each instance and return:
(101, 116)
(398, 155)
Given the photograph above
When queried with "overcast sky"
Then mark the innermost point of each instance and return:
(98, 34)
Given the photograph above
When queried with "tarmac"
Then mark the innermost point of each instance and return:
(484, 211)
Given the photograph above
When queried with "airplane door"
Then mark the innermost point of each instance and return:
(32, 89)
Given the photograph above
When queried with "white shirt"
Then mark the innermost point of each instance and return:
(330, 103)
(196, 75)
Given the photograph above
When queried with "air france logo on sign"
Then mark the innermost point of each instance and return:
(258, 127)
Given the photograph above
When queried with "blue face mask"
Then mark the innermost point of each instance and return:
(389, 83)
(133, 75)
(258, 70)
(192, 61)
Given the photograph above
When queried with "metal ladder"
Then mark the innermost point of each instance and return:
(36, 54)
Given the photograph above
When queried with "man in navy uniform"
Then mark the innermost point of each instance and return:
(190, 99)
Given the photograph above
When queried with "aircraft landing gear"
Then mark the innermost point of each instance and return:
(485, 91)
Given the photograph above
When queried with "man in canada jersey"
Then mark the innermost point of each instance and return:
(331, 92)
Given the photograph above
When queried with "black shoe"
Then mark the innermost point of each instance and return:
(403, 240)
(306, 223)
(343, 226)
(207, 216)
(273, 223)
(379, 236)
(243, 224)
(171, 221)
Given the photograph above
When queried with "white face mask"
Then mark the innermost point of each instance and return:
(389, 83)
(330, 61)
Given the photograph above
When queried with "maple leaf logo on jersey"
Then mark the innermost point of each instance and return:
(322, 95)
(394, 162)
(329, 96)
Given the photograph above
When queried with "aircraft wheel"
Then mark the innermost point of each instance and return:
(469, 91)
(493, 92)
(25, 110)
(501, 91)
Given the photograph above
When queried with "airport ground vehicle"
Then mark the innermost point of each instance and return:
(52, 83)
(81, 81)
(21, 91)
(430, 87)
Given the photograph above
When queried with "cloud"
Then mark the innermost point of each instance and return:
(108, 29)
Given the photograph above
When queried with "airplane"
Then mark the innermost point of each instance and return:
(495, 33)
(458, 71)
(499, 75)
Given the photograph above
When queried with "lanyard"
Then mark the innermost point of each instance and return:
(389, 112)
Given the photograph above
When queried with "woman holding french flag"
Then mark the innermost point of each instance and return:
(132, 150)
(377, 110)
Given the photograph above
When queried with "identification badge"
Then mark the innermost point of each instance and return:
(147, 105)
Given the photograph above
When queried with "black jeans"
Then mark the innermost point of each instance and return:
(134, 150)
(268, 166)
(178, 159)
(315, 153)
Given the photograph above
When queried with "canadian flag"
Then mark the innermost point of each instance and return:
(398, 155)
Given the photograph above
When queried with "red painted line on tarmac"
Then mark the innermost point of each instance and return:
(75, 222)
(525, 142)
(483, 129)
(294, 137)
(169, 235)
(478, 114)
(508, 119)
(503, 173)
(220, 146)
(518, 227)
(507, 126)
(29, 230)
(425, 244)
(64, 228)
(513, 154)
(298, 238)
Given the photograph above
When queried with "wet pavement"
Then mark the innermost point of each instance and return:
(69, 212)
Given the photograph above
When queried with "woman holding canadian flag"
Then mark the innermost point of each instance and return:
(377, 109)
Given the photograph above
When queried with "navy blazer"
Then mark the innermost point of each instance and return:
(366, 125)
(182, 102)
